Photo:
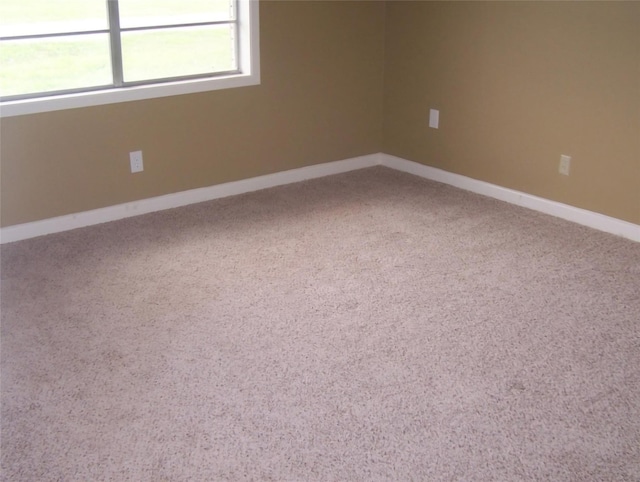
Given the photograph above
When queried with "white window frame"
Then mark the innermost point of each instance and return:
(249, 57)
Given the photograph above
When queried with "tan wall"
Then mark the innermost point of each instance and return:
(320, 100)
(518, 84)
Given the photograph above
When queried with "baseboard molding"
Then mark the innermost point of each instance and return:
(169, 201)
(58, 224)
(570, 213)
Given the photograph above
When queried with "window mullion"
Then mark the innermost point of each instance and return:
(116, 43)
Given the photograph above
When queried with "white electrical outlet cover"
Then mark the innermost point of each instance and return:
(565, 164)
(434, 118)
(135, 159)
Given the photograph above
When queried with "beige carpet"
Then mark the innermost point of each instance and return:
(366, 326)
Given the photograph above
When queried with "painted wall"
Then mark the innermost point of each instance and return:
(320, 100)
(517, 85)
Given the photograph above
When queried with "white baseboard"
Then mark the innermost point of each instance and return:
(560, 210)
(19, 232)
(113, 213)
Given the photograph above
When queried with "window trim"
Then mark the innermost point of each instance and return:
(248, 63)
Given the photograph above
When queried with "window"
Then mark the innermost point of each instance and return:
(75, 53)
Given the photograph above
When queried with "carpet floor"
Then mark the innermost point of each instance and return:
(366, 326)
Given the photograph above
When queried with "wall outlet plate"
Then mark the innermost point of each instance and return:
(135, 158)
(565, 165)
(434, 118)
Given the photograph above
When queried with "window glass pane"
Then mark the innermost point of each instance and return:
(50, 64)
(165, 53)
(146, 13)
(29, 17)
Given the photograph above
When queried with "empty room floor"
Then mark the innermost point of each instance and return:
(365, 326)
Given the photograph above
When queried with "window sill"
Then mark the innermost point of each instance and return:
(111, 96)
